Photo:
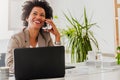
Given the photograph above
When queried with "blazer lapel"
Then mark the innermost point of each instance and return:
(41, 41)
(27, 42)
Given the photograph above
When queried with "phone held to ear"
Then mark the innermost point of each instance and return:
(47, 27)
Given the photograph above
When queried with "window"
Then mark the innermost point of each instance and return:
(15, 11)
(117, 24)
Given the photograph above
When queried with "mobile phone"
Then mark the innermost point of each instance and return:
(46, 26)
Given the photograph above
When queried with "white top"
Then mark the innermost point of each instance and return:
(36, 45)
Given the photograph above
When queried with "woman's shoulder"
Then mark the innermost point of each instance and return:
(17, 39)
(19, 34)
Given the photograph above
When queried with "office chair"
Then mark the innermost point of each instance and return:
(2, 59)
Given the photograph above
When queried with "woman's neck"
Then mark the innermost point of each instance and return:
(33, 33)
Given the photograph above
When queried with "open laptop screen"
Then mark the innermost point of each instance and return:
(38, 63)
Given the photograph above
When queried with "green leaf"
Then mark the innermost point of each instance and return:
(80, 37)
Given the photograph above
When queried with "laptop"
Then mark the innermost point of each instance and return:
(39, 63)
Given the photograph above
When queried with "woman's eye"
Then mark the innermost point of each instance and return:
(42, 15)
(35, 13)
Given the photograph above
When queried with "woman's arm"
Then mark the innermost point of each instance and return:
(9, 59)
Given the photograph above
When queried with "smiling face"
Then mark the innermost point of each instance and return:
(36, 18)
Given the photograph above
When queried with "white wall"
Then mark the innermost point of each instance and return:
(4, 33)
(102, 11)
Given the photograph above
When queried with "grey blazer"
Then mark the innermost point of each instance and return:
(21, 40)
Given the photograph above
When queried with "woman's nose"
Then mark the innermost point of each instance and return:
(40, 17)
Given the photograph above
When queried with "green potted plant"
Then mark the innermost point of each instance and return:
(80, 37)
(118, 55)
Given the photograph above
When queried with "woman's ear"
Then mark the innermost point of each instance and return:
(27, 19)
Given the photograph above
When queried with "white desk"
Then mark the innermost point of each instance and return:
(83, 72)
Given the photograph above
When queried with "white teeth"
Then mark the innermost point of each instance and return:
(37, 22)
